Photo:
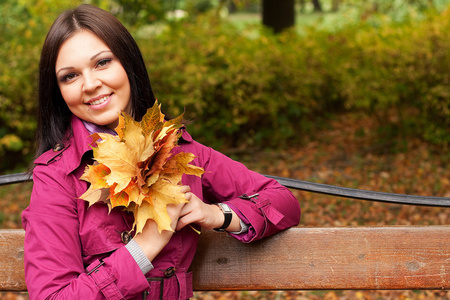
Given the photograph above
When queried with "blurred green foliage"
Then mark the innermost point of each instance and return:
(22, 27)
(243, 86)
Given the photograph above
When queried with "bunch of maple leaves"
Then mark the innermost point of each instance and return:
(137, 170)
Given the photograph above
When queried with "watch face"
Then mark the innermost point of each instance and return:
(225, 208)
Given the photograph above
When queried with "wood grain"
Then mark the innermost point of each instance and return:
(299, 259)
(11, 260)
(327, 258)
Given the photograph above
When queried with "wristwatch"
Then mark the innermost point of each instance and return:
(227, 212)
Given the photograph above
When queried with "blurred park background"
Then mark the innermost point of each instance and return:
(349, 92)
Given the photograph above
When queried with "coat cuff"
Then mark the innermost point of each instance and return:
(245, 236)
(104, 281)
(141, 259)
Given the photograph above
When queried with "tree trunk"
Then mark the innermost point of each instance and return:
(335, 5)
(278, 14)
(317, 6)
(302, 6)
(232, 8)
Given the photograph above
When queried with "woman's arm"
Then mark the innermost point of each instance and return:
(262, 203)
(54, 267)
(206, 215)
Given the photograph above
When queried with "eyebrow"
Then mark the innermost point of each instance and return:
(92, 58)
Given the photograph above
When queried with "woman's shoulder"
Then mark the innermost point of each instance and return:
(52, 155)
(50, 166)
(67, 154)
(187, 143)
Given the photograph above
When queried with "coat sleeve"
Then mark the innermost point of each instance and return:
(262, 203)
(54, 267)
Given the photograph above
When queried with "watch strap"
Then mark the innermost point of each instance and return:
(227, 213)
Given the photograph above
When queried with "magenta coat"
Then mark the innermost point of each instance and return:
(66, 242)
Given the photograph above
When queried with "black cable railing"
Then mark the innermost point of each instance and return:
(314, 188)
(15, 178)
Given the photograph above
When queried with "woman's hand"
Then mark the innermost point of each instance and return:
(150, 240)
(195, 211)
(206, 215)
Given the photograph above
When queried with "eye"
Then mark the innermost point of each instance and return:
(67, 77)
(103, 62)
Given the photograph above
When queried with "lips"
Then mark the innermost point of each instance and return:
(99, 100)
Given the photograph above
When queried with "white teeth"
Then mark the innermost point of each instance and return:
(99, 101)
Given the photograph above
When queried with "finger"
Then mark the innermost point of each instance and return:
(188, 196)
(180, 225)
(183, 221)
(189, 214)
(174, 210)
(187, 208)
(185, 189)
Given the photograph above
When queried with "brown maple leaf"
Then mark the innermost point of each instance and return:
(137, 170)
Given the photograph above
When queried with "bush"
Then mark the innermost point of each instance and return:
(19, 53)
(23, 28)
(248, 87)
(226, 81)
(254, 88)
(403, 68)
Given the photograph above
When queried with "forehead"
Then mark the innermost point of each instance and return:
(80, 47)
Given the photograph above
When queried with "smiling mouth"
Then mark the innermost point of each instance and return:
(100, 101)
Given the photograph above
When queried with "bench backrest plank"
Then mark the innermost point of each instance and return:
(299, 259)
(327, 258)
(11, 260)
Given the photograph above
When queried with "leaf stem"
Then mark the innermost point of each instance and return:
(198, 231)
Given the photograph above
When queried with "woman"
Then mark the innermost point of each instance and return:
(90, 70)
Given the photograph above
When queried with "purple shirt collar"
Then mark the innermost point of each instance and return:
(94, 128)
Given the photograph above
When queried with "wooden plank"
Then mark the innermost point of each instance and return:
(327, 258)
(299, 259)
(11, 260)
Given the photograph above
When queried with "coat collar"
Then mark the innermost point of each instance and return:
(71, 151)
(79, 142)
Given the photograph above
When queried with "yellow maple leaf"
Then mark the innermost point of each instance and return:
(180, 165)
(137, 170)
(98, 190)
(96, 175)
(96, 195)
(120, 157)
(153, 119)
(162, 193)
(163, 153)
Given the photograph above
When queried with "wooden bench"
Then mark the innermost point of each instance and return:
(299, 259)
(348, 258)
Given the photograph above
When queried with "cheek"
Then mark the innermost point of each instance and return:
(121, 80)
(122, 83)
(70, 95)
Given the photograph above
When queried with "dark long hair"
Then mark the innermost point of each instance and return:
(53, 114)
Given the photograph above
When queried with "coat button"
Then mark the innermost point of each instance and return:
(58, 147)
(169, 272)
(125, 237)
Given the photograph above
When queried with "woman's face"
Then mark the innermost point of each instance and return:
(92, 80)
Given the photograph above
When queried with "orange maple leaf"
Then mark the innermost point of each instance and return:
(137, 170)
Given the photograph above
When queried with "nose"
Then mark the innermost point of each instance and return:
(91, 82)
